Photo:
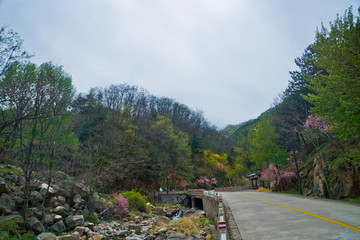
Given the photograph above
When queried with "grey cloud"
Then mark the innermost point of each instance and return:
(228, 58)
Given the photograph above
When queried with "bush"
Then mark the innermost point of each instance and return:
(11, 226)
(136, 201)
(118, 206)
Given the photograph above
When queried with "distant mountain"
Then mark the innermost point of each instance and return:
(230, 129)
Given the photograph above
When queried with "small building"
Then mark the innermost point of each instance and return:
(253, 177)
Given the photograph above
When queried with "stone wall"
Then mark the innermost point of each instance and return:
(211, 207)
(232, 189)
(173, 198)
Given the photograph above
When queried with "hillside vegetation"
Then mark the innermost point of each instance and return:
(121, 137)
(118, 137)
(310, 139)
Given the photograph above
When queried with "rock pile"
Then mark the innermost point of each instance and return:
(59, 208)
(67, 207)
(145, 227)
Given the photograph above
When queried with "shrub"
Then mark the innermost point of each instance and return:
(118, 205)
(11, 226)
(136, 201)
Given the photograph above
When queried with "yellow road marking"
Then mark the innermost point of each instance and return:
(311, 214)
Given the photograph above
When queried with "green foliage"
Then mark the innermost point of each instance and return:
(7, 170)
(91, 217)
(12, 227)
(352, 200)
(336, 97)
(264, 148)
(292, 191)
(136, 201)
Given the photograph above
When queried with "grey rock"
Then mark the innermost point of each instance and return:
(77, 199)
(200, 213)
(81, 189)
(44, 189)
(35, 198)
(123, 233)
(163, 230)
(4, 186)
(36, 225)
(35, 184)
(60, 176)
(196, 236)
(89, 225)
(18, 200)
(203, 233)
(72, 221)
(7, 205)
(61, 210)
(49, 220)
(57, 218)
(162, 219)
(80, 230)
(36, 212)
(69, 237)
(66, 187)
(13, 218)
(158, 211)
(46, 236)
(57, 227)
(20, 181)
(134, 238)
(176, 236)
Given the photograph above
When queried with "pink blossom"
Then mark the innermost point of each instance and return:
(203, 180)
(317, 123)
(213, 181)
(122, 203)
(184, 184)
(200, 181)
(287, 175)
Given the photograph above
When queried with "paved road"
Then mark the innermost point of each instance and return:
(281, 216)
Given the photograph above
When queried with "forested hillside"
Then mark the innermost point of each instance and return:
(116, 138)
(310, 139)
(122, 137)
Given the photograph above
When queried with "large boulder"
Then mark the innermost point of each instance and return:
(36, 225)
(66, 186)
(70, 188)
(158, 211)
(73, 221)
(57, 227)
(35, 198)
(77, 199)
(52, 190)
(4, 186)
(46, 236)
(58, 200)
(62, 211)
(177, 236)
(7, 205)
(59, 175)
(49, 220)
(13, 218)
(81, 189)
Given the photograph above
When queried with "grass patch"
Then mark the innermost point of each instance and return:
(352, 200)
(187, 225)
(291, 191)
(7, 170)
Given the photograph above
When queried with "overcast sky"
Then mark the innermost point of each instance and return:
(228, 58)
